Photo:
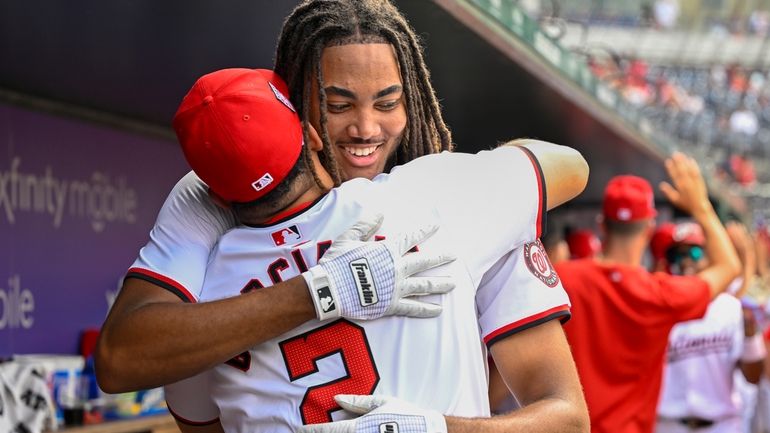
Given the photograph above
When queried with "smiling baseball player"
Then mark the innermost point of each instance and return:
(297, 378)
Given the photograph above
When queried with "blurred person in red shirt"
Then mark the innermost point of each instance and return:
(622, 314)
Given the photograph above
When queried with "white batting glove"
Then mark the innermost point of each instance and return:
(381, 414)
(362, 279)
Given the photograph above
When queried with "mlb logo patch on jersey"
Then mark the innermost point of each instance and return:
(287, 235)
(539, 264)
(389, 427)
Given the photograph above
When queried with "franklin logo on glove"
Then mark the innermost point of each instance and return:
(389, 427)
(367, 293)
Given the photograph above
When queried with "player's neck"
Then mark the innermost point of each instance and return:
(314, 190)
(307, 193)
(623, 251)
(309, 196)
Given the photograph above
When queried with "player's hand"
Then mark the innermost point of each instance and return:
(381, 414)
(361, 279)
(687, 189)
(749, 322)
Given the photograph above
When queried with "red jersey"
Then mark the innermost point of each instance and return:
(621, 318)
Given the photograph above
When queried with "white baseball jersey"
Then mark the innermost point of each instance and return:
(702, 356)
(188, 226)
(486, 204)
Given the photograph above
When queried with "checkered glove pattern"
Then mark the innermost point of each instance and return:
(381, 414)
(358, 278)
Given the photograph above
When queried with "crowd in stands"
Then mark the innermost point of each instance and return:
(723, 110)
(720, 112)
(665, 15)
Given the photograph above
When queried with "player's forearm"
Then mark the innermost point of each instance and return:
(546, 416)
(160, 342)
(752, 371)
(724, 264)
(211, 428)
(749, 271)
(564, 168)
(537, 366)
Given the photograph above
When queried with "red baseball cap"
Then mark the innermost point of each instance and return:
(628, 198)
(661, 240)
(583, 243)
(669, 234)
(239, 132)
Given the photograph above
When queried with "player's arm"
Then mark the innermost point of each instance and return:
(152, 337)
(564, 169)
(537, 366)
(744, 246)
(754, 351)
(688, 192)
(498, 390)
(211, 428)
(752, 371)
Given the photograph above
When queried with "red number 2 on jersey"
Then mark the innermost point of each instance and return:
(349, 340)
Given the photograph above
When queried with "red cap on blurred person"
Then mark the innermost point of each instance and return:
(661, 240)
(668, 234)
(239, 132)
(628, 198)
(583, 244)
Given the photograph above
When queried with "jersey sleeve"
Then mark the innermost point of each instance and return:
(494, 198)
(190, 401)
(188, 226)
(519, 292)
(687, 297)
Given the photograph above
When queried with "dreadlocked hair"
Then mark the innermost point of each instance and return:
(317, 24)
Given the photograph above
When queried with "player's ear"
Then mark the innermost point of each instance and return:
(316, 144)
(216, 198)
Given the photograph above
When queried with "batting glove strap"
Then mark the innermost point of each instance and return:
(392, 423)
(388, 414)
(357, 284)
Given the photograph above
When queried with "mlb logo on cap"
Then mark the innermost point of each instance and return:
(689, 233)
(263, 182)
(287, 235)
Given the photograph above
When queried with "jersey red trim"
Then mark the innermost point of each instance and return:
(542, 208)
(188, 422)
(562, 312)
(162, 281)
